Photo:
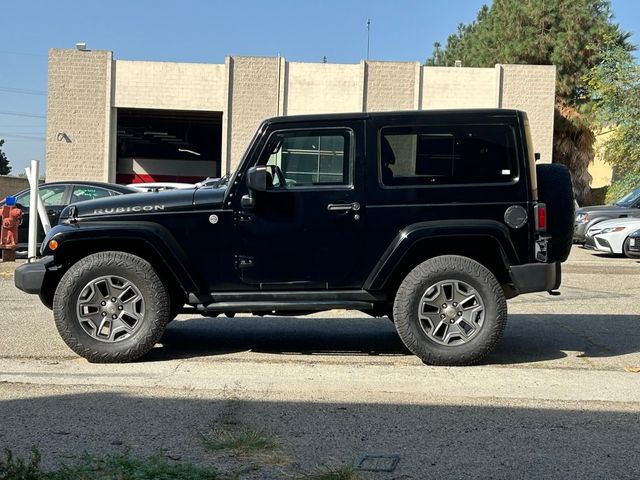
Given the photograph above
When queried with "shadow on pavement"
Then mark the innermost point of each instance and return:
(433, 441)
(528, 338)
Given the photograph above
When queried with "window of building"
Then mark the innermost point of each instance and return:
(310, 158)
(447, 154)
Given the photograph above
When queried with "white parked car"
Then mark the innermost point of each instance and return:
(160, 186)
(612, 236)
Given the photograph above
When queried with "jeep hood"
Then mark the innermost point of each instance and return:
(135, 204)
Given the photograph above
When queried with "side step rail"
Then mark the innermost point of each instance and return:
(281, 306)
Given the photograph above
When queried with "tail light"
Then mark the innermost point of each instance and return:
(540, 211)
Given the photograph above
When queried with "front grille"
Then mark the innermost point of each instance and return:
(603, 243)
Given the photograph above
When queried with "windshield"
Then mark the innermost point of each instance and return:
(629, 199)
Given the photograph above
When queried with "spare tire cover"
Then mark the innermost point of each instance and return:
(556, 191)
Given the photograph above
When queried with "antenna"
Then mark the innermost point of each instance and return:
(368, 35)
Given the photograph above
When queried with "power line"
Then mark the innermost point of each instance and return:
(21, 137)
(18, 114)
(42, 125)
(24, 54)
(23, 91)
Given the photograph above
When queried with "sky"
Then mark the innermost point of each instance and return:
(207, 31)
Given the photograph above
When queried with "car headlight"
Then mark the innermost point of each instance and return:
(582, 218)
(612, 229)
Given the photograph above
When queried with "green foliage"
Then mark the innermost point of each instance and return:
(5, 168)
(243, 441)
(565, 33)
(622, 186)
(112, 467)
(613, 87)
(12, 468)
(329, 473)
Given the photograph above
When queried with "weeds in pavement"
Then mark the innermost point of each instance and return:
(117, 466)
(246, 441)
(331, 473)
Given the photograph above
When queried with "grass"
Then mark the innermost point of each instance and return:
(245, 441)
(332, 473)
(111, 467)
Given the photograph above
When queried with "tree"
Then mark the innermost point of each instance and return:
(613, 88)
(565, 33)
(5, 168)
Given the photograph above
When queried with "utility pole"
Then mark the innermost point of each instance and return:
(368, 35)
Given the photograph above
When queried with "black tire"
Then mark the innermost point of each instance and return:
(450, 268)
(131, 268)
(556, 191)
(625, 248)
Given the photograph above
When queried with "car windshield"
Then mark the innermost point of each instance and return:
(629, 199)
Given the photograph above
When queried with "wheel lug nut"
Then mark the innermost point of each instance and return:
(104, 314)
(455, 304)
(120, 307)
(444, 305)
(452, 321)
(114, 316)
(459, 314)
(442, 316)
(113, 299)
(103, 303)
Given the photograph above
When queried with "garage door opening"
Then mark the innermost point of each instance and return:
(168, 145)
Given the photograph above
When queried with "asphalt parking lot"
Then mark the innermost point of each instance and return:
(557, 399)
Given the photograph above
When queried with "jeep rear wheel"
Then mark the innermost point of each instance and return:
(450, 310)
(111, 307)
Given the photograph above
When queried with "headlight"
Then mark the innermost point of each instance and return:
(612, 229)
(582, 218)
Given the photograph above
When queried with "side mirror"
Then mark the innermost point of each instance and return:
(257, 179)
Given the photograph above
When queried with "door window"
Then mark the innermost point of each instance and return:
(309, 158)
(51, 195)
(82, 193)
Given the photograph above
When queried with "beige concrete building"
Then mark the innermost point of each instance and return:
(127, 121)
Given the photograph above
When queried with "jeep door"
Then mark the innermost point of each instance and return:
(305, 230)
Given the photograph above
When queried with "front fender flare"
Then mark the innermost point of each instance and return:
(155, 237)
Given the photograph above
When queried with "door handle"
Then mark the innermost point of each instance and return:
(343, 207)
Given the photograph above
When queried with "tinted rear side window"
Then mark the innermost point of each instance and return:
(447, 154)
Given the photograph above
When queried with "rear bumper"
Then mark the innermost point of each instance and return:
(30, 276)
(536, 277)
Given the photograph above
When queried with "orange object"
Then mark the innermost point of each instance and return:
(11, 220)
(53, 244)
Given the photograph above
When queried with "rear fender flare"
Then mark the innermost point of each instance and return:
(417, 232)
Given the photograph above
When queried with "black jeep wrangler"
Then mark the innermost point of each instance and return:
(432, 218)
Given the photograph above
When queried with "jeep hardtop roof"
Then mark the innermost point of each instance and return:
(458, 112)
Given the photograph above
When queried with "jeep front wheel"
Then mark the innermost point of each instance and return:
(111, 307)
(450, 310)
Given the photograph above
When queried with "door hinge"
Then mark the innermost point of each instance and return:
(243, 261)
(243, 217)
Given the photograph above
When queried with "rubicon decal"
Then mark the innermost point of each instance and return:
(136, 208)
